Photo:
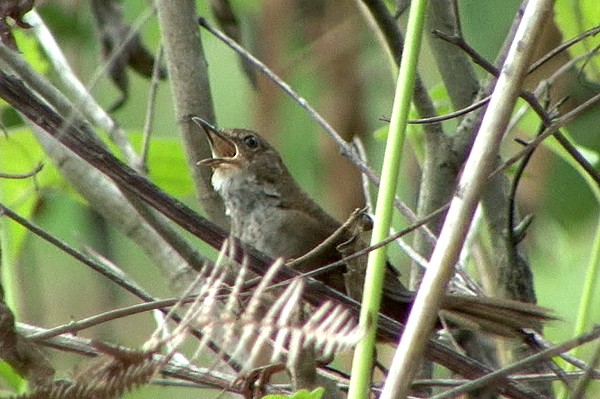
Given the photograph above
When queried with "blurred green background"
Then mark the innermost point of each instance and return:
(326, 52)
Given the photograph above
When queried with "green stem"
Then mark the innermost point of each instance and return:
(591, 278)
(363, 357)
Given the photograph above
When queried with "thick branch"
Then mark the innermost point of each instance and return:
(190, 86)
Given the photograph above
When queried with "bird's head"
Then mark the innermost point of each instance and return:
(240, 151)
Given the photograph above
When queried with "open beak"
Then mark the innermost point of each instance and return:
(224, 150)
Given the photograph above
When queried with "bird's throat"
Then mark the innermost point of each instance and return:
(222, 176)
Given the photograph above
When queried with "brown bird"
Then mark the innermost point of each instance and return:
(271, 212)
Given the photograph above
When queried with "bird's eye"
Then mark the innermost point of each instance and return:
(251, 141)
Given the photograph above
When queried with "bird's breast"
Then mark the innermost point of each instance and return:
(259, 226)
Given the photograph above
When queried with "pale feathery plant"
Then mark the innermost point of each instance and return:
(277, 324)
(200, 287)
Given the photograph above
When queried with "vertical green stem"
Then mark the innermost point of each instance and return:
(593, 269)
(363, 356)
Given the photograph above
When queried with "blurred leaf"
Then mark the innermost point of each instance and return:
(20, 153)
(29, 49)
(575, 17)
(439, 95)
(381, 133)
(592, 156)
(302, 394)
(12, 379)
(113, 30)
(167, 165)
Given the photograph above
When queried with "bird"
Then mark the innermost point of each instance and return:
(271, 212)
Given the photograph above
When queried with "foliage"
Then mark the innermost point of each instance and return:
(301, 394)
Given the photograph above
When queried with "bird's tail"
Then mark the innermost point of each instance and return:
(494, 315)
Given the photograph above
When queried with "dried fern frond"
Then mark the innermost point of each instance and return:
(205, 288)
(119, 371)
(270, 322)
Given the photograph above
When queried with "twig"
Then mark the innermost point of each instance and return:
(329, 241)
(383, 243)
(512, 206)
(106, 317)
(25, 175)
(541, 342)
(451, 115)
(529, 378)
(476, 105)
(359, 147)
(557, 124)
(118, 279)
(80, 256)
(85, 102)
(583, 383)
(505, 371)
(151, 105)
(172, 368)
(562, 47)
(532, 101)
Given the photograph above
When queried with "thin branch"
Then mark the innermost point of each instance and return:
(388, 240)
(583, 383)
(84, 101)
(150, 108)
(111, 315)
(563, 47)
(451, 115)
(107, 272)
(556, 125)
(25, 175)
(170, 368)
(512, 206)
(532, 101)
(80, 256)
(529, 378)
(528, 361)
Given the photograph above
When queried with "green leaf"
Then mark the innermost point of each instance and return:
(12, 379)
(381, 133)
(20, 153)
(167, 165)
(592, 156)
(575, 17)
(442, 103)
(28, 47)
(301, 394)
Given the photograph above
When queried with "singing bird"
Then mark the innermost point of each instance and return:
(271, 212)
